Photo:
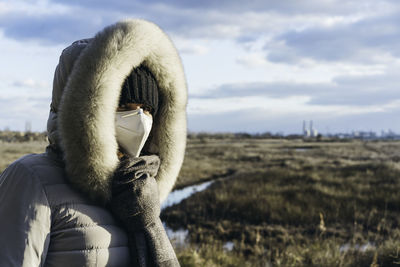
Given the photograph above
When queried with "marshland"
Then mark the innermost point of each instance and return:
(280, 201)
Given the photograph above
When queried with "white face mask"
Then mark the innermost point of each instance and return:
(132, 128)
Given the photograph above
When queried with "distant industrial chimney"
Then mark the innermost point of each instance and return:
(306, 132)
(28, 127)
(311, 131)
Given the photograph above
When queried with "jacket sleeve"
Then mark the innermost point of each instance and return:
(24, 218)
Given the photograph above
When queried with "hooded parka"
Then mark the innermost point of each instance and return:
(52, 205)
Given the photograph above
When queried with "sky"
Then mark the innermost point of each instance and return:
(251, 66)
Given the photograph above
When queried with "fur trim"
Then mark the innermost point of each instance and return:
(87, 109)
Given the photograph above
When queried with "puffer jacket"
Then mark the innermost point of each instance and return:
(51, 205)
(46, 222)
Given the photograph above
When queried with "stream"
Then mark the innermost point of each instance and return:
(179, 237)
(178, 195)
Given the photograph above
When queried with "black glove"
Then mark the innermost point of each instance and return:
(135, 199)
(135, 202)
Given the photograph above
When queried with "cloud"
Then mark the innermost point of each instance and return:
(62, 21)
(193, 47)
(15, 111)
(252, 60)
(369, 40)
(30, 83)
(237, 6)
(286, 55)
(258, 120)
(50, 29)
(356, 90)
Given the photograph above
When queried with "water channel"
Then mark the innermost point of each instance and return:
(179, 237)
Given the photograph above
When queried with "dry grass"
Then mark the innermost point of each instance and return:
(283, 202)
(293, 203)
(9, 152)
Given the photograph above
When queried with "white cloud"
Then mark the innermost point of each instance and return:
(33, 8)
(361, 41)
(287, 59)
(15, 111)
(288, 105)
(258, 120)
(31, 83)
(193, 46)
(231, 19)
(252, 60)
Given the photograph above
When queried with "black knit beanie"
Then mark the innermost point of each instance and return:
(140, 87)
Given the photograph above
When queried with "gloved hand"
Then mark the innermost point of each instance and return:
(135, 202)
(135, 199)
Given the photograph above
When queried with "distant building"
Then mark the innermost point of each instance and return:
(364, 135)
(389, 134)
(311, 131)
(306, 132)
(28, 126)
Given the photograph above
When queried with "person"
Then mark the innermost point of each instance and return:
(117, 136)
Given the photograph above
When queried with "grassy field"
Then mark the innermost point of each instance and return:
(12, 151)
(290, 203)
(280, 202)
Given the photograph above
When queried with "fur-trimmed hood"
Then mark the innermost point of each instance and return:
(86, 89)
